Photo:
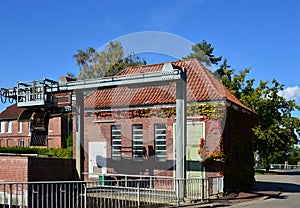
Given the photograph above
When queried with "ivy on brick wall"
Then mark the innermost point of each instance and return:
(211, 110)
(238, 147)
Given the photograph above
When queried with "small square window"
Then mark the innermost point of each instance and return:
(21, 143)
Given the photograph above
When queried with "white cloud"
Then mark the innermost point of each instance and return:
(291, 93)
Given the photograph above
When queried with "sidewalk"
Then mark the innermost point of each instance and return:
(262, 191)
(266, 187)
(246, 197)
(242, 198)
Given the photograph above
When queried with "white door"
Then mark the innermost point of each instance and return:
(97, 158)
(195, 131)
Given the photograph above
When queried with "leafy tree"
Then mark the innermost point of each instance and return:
(204, 53)
(293, 156)
(277, 130)
(234, 82)
(94, 64)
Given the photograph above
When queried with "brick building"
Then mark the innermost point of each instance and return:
(16, 128)
(131, 130)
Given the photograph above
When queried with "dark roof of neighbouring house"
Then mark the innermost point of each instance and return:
(11, 112)
(202, 86)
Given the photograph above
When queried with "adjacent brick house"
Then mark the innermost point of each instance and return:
(131, 130)
(15, 127)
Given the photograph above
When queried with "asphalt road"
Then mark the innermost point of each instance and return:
(287, 183)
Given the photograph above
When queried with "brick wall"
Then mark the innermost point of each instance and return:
(54, 132)
(13, 168)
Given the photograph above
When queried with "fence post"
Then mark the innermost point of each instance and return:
(138, 194)
(286, 165)
(151, 184)
(202, 189)
(85, 195)
(10, 195)
(207, 188)
(178, 191)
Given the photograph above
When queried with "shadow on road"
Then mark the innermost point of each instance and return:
(277, 186)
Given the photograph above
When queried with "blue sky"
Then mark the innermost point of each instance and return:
(39, 38)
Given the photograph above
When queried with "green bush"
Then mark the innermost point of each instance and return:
(66, 153)
(70, 140)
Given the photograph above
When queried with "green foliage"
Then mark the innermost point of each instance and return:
(293, 155)
(276, 131)
(19, 150)
(94, 64)
(204, 53)
(239, 149)
(50, 152)
(70, 140)
(234, 82)
(66, 153)
(214, 111)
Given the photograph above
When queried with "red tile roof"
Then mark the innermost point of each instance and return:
(201, 86)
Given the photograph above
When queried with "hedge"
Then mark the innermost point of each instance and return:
(65, 153)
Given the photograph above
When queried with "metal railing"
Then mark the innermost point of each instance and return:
(42, 194)
(156, 192)
(285, 166)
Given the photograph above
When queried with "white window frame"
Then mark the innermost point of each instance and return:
(21, 143)
(9, 126)
(2, 127)
(160, 142)
(137, 142)
(116, 142)
(20, 127)
(29, 126)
